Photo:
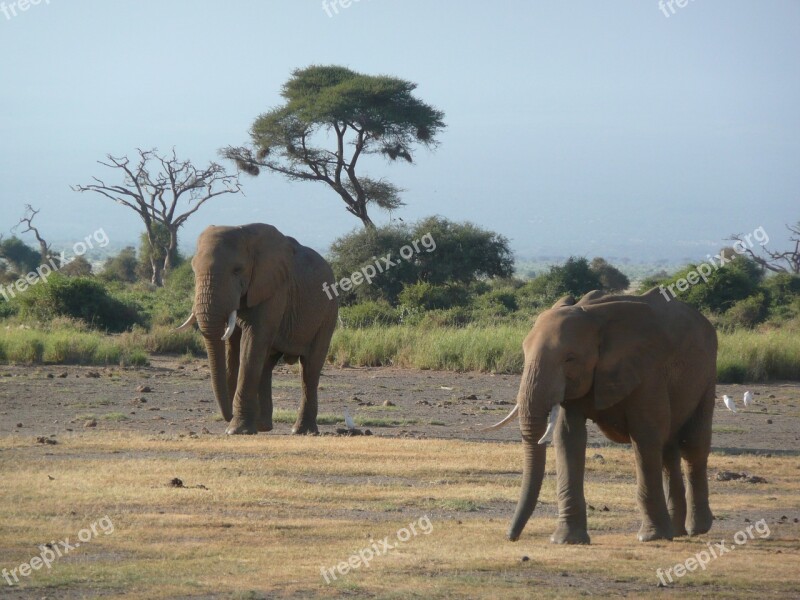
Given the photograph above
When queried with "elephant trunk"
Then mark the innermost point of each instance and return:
(219, 378)
(532, 474)
(212, 324)
(535, 404)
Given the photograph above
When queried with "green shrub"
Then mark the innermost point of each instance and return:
(611, 279)
(369, 313)
(426, 296)
(77, 267)
(121, 267)
(445, 252)
(81, 298)
(746, 313)
(497, 302)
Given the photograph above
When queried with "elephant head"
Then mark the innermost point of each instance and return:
(235, 268)
(599, 350)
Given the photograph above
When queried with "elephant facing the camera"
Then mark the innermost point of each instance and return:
(644, 369)
(259, 297)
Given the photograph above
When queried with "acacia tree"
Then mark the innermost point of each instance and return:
(360, 114)
(777, 262)
(155, 194)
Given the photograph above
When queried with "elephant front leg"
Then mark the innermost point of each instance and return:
(246, 407)
(656, 522)
(570, 445)
(674, 489)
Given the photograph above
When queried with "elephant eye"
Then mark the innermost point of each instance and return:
(238, 270)
(570, 358)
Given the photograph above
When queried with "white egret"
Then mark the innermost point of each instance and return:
(748, 398)
(729, 403)
(348, 420)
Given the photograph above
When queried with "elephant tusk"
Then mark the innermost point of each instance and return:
(551, 423)
(231, 326)
(187, 323)
(505, 421)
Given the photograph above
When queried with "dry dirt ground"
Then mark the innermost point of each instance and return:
(172, 399)
(43, 401)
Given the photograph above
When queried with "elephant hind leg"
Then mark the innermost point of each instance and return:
(695, 445)
(674, 489)
(311, 367)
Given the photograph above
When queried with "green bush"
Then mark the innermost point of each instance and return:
(121, 267)
(611, 279)
(168, 305)
(746, 313)
(426, 296)
(369, 313)
(81, 298)
(77, 267)
(445, 252)
(574, 277)
(19, 255)
(497, 301)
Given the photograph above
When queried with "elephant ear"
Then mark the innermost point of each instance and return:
(272, 258)
(631, 348)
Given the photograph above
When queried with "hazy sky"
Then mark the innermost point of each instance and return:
(590, 128)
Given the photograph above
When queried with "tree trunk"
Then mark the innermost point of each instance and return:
(157, 278)
(171, 251)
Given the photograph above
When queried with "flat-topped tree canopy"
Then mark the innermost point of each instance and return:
(364, 114)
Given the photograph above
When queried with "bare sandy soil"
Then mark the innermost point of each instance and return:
(172, 398)
(42, 401)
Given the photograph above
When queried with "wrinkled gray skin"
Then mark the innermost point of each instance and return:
(275, 285)
(644, 369)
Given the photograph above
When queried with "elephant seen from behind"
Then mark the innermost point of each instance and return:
(644, 369)
(259, 297)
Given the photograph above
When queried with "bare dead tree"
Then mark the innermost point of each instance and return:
(156, 193)
(777, 262)
(27, 220)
